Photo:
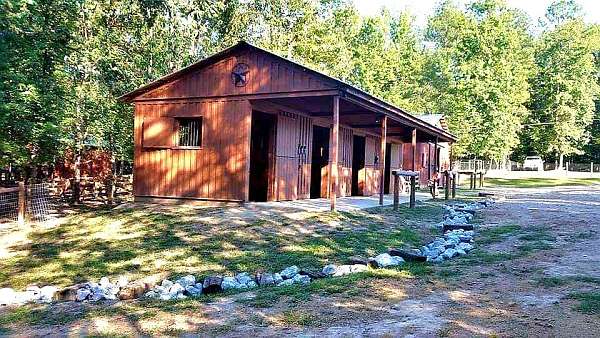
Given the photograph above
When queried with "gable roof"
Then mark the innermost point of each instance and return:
(342, 86)
(438, 120)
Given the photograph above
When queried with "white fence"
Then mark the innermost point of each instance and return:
(514, 169)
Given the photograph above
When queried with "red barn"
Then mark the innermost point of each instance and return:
(248, 125)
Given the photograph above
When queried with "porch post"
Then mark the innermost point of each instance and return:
(382, 158)
(414, 149)
(333, 166)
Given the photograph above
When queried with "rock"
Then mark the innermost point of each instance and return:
(186, 280)
(356, 268)
(180, 296)
(47, 293)
(408, 256)
(301, 279)
(265, 279)
(329, 269)
(243, 278)
(96, 296)
(312, 274)
(342, 270)
(460, 252)
(465, 246)
(251, 284)
(384, 260)
(193, 291)
(465, 238)
(286, 282)
(122, 281)
(176, 288)
(277, 278)
(358, 260)
(458, 226)
(166, 296)
(131, 291)
(212, 284)
(82, 294)
(289, 272)
(69, 293)
(230, 283)
(7, 296)
(449, 253)
(151, 294)
(104, 282)
(166, 283)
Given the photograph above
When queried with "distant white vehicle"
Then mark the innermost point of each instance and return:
(533, 163)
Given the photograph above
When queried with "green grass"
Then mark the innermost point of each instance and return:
(497, 233)
(140, 243)
(589, 302)
(539, 182)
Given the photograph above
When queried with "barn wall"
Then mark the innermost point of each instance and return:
(266, 75)
(217, 170)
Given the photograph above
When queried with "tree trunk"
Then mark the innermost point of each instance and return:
(561, 160)
(77, 178)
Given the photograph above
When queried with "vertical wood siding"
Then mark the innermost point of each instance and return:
(217, 170)
(266, 75)
(372, 173)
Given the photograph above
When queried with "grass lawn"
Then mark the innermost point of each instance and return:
(141, 242)
(170, 243)
(536, 182)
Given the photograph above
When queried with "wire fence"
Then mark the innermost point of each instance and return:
(26, 202)
(9, 205)
(38, 201)
(486, 165)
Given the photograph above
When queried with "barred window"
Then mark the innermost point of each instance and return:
(190, 132)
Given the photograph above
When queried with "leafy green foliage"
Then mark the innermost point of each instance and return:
(65, 62)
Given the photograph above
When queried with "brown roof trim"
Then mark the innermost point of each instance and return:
(345, 87)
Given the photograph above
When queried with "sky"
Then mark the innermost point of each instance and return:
(421, 9)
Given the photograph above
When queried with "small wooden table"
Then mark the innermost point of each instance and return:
(413, 175)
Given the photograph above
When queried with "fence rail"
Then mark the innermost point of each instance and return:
(486, 165)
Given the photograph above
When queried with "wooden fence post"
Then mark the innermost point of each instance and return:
(396, 191)
(481, 179)
(455, 176)
(22, 204)
(446, 185)
(412, 191)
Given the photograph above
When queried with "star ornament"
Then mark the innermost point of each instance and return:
(239, 74)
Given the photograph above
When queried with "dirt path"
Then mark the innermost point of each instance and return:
(521, 286)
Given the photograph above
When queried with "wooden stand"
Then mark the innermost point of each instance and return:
(446, 185)
(396, 191)
(454, 177)
(412, 192)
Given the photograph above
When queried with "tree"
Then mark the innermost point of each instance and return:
(35, 38)
(564, 89)
(479, 67)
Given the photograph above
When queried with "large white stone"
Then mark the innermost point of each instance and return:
(7, 296)
(187, 280)
(82, 294)
(289, 272)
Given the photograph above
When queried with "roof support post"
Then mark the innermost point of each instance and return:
(435, 155)
(333, 165)
(382, 158)
(414, 149)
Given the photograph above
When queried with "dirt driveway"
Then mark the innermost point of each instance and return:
(535, 272)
